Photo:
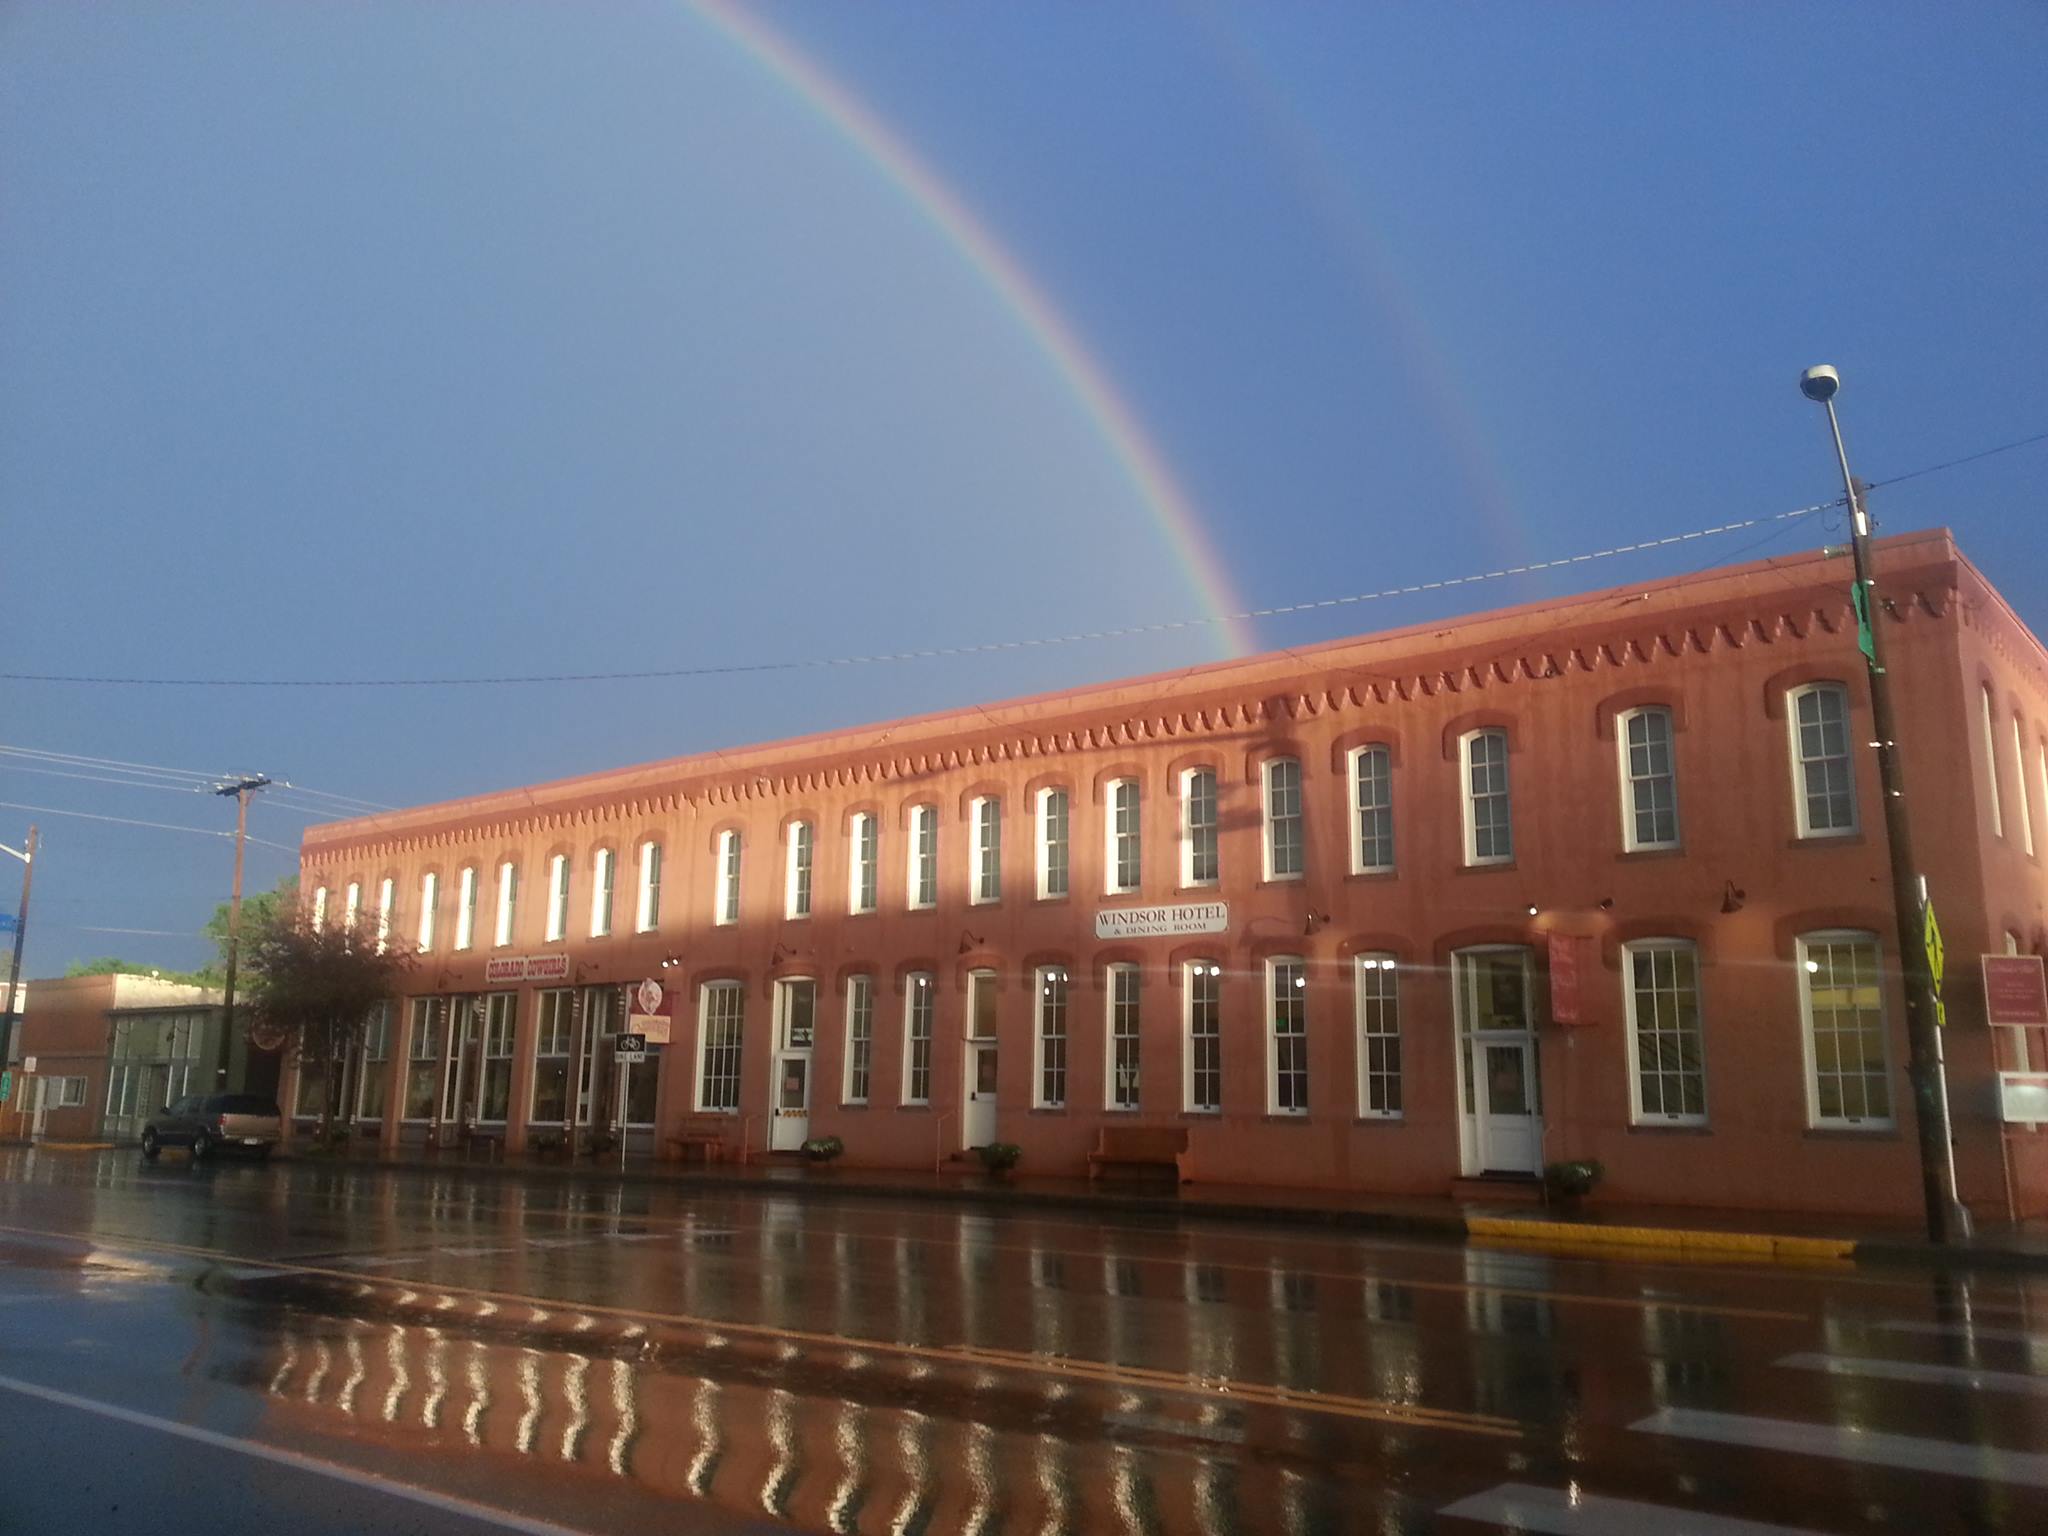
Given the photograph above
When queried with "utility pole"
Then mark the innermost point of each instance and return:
(241, 789)
(27, 855)
(1946, 1216)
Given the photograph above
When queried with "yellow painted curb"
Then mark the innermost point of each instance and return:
(1685, 1239)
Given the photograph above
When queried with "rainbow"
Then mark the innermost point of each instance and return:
(1086, 379)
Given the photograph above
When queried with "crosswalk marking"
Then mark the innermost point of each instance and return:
(1915, 1370)
(1967, 1331)
(1909, 1453)
(1557, 1512)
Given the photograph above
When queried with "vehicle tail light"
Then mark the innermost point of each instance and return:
(220, 1123)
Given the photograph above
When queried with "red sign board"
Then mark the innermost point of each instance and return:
(2015, 991)
(1567, 984)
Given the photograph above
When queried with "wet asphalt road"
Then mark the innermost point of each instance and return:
(306, 1349)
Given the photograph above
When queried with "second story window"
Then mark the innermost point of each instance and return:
(1991, 765)
(508, 903)
(796, 895)
(2019, 780)
(726, 902)
(1283, 819)
(988, 849)
(320, 909)
(1052, 843)
(430, 895)
(1649, 783)
(465, 908)
(924, 856)
(1372, 810)
(861, 877)
(647, 897)
(558, 897)
(1123, 866)
(353, 905)
(1489, 835)
(1198, 856)
(387, 897)
(603, 876)
(1825, 779)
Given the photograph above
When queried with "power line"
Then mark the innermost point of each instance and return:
(934, 652)
(130, 821)
(182, 778)
(1968, 458)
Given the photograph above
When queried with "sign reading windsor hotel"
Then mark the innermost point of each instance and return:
(1162, 922)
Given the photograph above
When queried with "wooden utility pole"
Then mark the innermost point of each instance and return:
(27, 855)
(241, 789)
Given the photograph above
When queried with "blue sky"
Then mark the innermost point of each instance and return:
(394, 340)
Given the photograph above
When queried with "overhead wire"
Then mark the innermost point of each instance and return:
(130, 821)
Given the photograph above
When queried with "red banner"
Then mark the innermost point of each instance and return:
(2015, 991)
(1567, 981)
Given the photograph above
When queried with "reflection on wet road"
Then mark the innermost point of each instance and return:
(597, 1358)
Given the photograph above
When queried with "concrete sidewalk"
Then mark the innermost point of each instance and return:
(1705, 1235)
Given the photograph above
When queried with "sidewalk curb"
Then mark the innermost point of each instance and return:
(1584, 1239)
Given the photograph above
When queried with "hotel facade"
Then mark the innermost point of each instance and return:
(1604, 877)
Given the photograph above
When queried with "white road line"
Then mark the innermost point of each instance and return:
(1918, 1371)
(1967, 1331)
(505, 1519)
(1909, 1453)
(1558, 1513)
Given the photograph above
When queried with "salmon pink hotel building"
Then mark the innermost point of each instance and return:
(1603, 878)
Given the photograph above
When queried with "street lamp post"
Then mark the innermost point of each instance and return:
(1946, 1217)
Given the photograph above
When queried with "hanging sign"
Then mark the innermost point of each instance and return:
(2015, 992)
(652, 1012)
(1162, 922)
(553, 967)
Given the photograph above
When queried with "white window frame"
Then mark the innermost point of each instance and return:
(1043, 981)
(860, 1011)
(725, 896)
(1213, 970)
(1800, 798)
(352, 906)
(920, 991)
(430, 896)
(1631, 1005)
(1113, 838)
(1469, 797)
(506, 918)
(1116, 1013)
(1213, 828)
(1802, 974)
(1356, 779)
(1991, 762)
(1376, 984)
(465, 907)
(387, 898)
(558, 897)
(863, 868)
(647, 887)
(2019, 779)
(1298, 964)
(799, 870)
(376, 1052)
(697, 1095)
(986, 819)
(1046, 842)
(604, 876)
(1269, 820)
(921, 893)
(320, 909)
(1631, 838)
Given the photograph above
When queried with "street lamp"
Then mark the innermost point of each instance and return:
(1946, 1217)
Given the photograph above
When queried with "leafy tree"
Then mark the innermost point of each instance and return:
(261, 910)
(313, 990)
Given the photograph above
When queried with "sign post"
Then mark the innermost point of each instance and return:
(626, 1050)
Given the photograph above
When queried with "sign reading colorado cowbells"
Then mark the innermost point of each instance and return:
(1162, 922)
(553, 967)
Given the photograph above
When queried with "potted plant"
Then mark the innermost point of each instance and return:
(999, 1157)
(603, 1141)
(547, 1143)
(1568, 1182)
(823, 1149)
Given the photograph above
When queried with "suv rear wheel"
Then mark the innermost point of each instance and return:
(150, 1145)
(202, 1147)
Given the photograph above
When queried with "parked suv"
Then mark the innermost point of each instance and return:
(213, 1122)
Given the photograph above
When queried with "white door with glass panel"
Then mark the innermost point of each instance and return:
(978, 1119)
(1501, 1125)
(46, 1096)
(796, 1014)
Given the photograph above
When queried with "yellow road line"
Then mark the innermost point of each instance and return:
(1219, 1389)
(1753, 1245)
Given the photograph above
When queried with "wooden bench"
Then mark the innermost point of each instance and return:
(699, 1146)
(1140, 1149)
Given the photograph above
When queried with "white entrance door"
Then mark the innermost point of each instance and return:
(1510, 1134)
(1501, 1124)
(45, 1097)
(796, 1011)
(978, 1124)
